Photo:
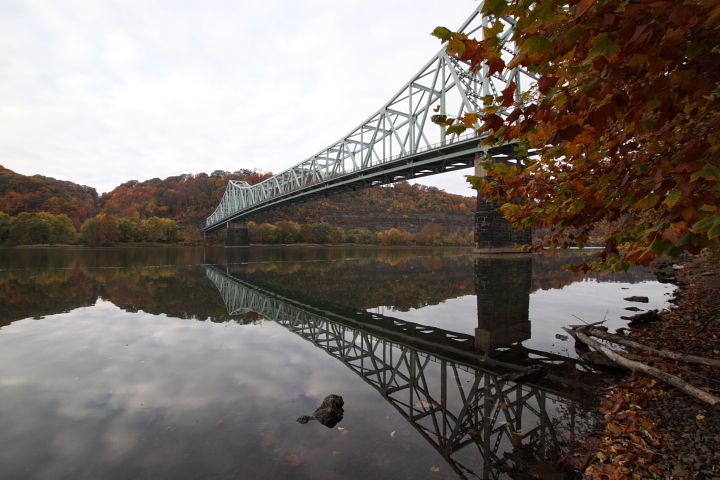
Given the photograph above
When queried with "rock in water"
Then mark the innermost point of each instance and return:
(329, 413)
(646, 318)
(637, 299)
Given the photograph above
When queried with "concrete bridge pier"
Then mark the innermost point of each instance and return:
(494, 234)
(237, 235)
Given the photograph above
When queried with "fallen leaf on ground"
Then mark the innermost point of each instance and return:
(336, 453)
(269, 439)
(435, 469)
(546, 472)
(295, 460)
(219, 422)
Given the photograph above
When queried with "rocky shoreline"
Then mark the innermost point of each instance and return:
(652, 430)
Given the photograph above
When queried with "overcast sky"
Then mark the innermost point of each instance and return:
(99, 92)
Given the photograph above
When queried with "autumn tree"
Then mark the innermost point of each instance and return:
(395, 236)
(289, 232)
(620, 127)
(191, 236)
(36, 229)
(100, 231)
(4, 227)
(129, 230)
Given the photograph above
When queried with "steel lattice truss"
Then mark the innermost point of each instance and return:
(396, 143)
(451, 404)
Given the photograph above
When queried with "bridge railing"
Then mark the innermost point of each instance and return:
(354, 169)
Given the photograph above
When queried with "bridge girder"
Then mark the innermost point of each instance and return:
(401, 131)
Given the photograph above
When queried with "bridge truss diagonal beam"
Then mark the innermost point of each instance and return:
(400, 132)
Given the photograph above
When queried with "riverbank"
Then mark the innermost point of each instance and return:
(273, 245)
(652, 430)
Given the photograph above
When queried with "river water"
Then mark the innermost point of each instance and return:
(194, 363)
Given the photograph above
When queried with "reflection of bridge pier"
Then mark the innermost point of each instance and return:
(432, 377)
(502, 285)
(236, 256)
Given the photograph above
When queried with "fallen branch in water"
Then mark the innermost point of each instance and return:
(596, 332)
(677, 382)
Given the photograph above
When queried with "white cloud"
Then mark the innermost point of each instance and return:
(100, 92)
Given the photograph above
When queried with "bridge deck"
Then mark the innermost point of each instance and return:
(439, 159)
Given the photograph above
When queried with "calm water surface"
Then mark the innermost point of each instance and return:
(194, 363)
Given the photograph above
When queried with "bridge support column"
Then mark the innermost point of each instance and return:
(502, 286)
(494, 234)
(237, 235)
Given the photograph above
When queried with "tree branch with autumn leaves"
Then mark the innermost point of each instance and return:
(620, 129)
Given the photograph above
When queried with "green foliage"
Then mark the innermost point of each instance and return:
(100, 231)
(106, 230)
(4, 227)
(36, 229)
(323, 233)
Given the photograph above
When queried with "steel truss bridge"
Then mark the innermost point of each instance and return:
(453, 396)
(398, 142)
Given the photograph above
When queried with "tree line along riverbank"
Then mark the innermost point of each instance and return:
(108, 230)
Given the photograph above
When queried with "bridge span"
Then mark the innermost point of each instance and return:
(398, 142)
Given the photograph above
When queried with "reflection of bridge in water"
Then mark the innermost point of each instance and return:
(453, 394)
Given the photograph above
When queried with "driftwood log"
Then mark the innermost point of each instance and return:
(626, 342)
(579, 334)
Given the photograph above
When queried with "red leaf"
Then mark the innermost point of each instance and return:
(496, 66)
(508, 98)
(546, 83)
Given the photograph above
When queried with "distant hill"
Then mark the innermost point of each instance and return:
(34, 194)
(377, 209)
(188, 198)
(191, 198)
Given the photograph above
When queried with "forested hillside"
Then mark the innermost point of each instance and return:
(184, 198)
(35, 194)
(410, 207)
(41, 210)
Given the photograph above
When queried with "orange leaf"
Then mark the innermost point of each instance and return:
(508, 98)
(295, 460)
